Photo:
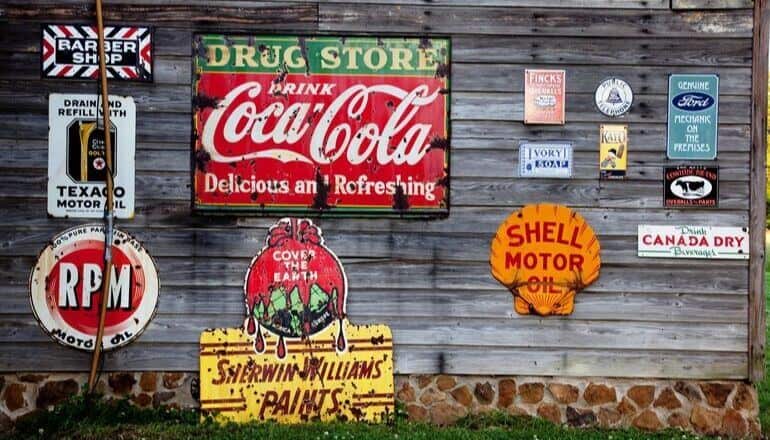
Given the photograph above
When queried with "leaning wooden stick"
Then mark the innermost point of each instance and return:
(109, 205)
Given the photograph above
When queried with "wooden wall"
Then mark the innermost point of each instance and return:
(429, 280)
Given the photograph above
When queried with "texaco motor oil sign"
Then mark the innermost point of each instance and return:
(321, 124)
(77, 165)
(66, 288)
(297, 357)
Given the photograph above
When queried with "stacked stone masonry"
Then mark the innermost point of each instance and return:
(725, 408)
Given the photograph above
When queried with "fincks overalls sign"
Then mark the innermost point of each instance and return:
(321, 124)
(693, 112)
(77, 165)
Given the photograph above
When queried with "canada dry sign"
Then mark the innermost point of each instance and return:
(65, 288)
(321, 124)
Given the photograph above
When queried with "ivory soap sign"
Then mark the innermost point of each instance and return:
(321, 124)
(545, 159)
(711, 242)
(77, 163)
(66, 288)
(544, 92)
(545, 254)
(693, 113)
(297, 357)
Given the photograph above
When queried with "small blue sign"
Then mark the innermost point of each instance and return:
(693, 112)
(545, 159)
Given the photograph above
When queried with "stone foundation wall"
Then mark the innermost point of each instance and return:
(725, 408)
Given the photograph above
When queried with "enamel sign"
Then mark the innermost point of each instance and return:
(66, 288)
(77, 165)
(693, 114)
(545, 254)
(613, 97)
(297, 357)
(690, 186)
(544, 92)
(710, 242)
(545, 159)
(613, 151)
(336, 125)
(72, 51)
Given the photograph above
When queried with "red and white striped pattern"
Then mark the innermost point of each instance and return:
(51, 69)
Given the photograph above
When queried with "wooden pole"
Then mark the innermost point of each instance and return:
(109, 206)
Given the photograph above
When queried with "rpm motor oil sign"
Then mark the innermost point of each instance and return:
(77, 165)
(66, 288)
(321, 124)
(297, 357)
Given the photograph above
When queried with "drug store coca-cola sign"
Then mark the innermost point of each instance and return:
(333, 125)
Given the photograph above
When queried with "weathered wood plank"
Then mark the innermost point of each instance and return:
(510, 21)
(415, 303)
(758, 210)
(414, 360)
(464, 191)
(621, 4)
(466, 77)
(514, 332)
(428, 247)
(258, 16)
(481, 134)
(464, 163)
(394, 274)
(711, 4)
(29, 213)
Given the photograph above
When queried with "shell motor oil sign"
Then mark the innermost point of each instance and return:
(297, 357)
(544, 254)
(332, 124)
(66, 288)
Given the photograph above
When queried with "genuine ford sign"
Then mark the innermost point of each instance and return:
(692, 101)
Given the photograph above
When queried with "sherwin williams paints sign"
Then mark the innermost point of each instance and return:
(297, 357)
(327, 124)
(544, 254)
(693, 113)
(66, 288)
(686, 241)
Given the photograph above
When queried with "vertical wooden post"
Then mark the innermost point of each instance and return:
(109, 206)
(758, 196)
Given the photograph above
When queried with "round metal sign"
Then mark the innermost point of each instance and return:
(66, 288)
(614, 97)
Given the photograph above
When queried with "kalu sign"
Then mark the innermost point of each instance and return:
(297, 357)
(545, 254)
(687, 241)
(322, 124)
(613, 151)
(77, 156)
(66, 288)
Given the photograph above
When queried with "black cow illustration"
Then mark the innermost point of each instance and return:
(691, 186)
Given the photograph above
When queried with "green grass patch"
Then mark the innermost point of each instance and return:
(90, 420)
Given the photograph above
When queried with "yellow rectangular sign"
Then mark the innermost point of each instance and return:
(613, 151)
(313, 381)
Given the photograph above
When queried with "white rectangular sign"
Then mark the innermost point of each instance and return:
(545, 159)
(77, 163)
(712, 242)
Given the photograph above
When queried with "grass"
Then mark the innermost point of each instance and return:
(763, 388)
(83, 420)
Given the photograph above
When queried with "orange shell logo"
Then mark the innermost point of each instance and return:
(544, 254)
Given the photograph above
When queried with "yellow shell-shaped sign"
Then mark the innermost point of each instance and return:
(544, 254)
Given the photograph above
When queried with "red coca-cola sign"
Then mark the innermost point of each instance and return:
(332, 125)
(66, 288)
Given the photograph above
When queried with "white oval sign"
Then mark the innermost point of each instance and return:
(66, 288)
(691, 187)
(614, 97)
